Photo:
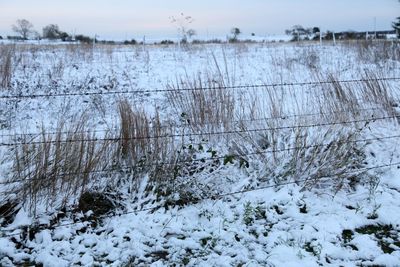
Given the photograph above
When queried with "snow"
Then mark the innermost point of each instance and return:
(387, 260)
(21, 219)
(299, 227)
(6, 247)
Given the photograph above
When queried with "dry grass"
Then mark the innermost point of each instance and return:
(315, 155)
(7, 53)
(376, 51)
(80, 52)
(142, 137)
(61, 166)
(300, 154)
(321, 155)
(377, 93)
(339, 100)
(56, 171)
(203, 109)
(56, 72)
(145, 145)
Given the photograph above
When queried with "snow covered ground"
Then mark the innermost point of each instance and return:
(243, 208)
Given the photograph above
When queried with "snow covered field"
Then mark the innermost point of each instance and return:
(261, 154)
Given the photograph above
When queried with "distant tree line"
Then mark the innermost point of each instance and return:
(25, 30)
(300, 33)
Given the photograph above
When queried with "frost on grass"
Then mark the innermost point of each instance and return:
(159, 178)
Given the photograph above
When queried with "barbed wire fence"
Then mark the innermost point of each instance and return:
(184, 89)
(212, 197)
(12, 100)
(217, 133)
(118, 170)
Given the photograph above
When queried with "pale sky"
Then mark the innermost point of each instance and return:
(120, 19)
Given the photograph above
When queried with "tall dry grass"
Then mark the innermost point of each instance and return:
(377, 92)
(325, 156)
(7, 53)
(55, 169)
(314, 158)
(145, 145)
(62, 166)
(376, 51)
(203, 109)
(296, 153)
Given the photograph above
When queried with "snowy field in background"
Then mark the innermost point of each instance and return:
(69, 69)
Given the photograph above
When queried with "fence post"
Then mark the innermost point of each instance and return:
(320, 36)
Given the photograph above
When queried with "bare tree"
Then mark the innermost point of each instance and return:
(182, 23)
(23, 28)
(235, 33)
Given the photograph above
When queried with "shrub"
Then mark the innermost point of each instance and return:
(83, 39)
(166, 42)
(130, 42)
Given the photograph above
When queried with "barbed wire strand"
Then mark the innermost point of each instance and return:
(115, 139)
(217, 87)
(126, 169)
(188, 125)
